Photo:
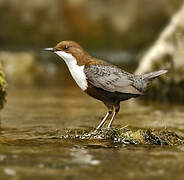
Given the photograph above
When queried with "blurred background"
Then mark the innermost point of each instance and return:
(42, 99)
(126, 25)
(138, 35)
(119, 32)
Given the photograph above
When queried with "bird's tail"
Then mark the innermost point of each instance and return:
(153, 75)
(145, 79)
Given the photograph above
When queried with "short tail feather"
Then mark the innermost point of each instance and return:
(145, 79)
(153, 75)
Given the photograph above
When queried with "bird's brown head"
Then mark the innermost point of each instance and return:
(67, 48)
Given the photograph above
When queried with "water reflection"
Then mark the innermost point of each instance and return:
(82, 157)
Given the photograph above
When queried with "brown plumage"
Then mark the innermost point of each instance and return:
(102, 80)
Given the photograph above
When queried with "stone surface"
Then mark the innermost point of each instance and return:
(2, 88)
(20, 67)
(128, 136)
(167, 53)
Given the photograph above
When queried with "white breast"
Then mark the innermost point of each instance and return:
(76, 71)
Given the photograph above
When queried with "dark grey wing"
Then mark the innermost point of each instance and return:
(110, 78)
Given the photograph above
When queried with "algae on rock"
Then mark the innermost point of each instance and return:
(2, 88)
(167, 53)
(126, 136)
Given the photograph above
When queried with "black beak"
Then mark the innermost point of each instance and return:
(50, 49)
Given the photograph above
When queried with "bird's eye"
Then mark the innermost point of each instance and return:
(65, 47)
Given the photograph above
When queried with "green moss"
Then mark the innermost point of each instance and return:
(2, 88)
(100, 138)
(128, 136)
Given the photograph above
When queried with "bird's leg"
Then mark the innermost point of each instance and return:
(117, 107)
(110, 109)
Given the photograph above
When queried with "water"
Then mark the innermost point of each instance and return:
(35, 117)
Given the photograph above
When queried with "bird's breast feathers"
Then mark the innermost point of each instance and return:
(76, 71)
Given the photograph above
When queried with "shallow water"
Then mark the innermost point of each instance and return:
(34, 119)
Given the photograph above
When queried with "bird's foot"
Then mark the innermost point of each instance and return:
(108, 128)
(96, 131)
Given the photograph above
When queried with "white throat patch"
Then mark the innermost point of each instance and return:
(76, 71)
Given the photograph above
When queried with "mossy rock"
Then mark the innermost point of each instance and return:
(127, 136)
(167, 53)
(104, 138)
(2, 88)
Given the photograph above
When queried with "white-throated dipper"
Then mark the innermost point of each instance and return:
(102, 80)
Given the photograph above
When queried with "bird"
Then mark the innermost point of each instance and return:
(102, 80)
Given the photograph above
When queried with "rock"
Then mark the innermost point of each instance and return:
(20, 67)
(167, 53)
(125, 136)
(2, 88)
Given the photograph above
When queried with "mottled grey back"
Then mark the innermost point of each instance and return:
(111, 78)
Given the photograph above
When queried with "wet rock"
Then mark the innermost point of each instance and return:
(112, 137)
(2, 88)
(20, 67)
(127, 136)
(167, 53)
